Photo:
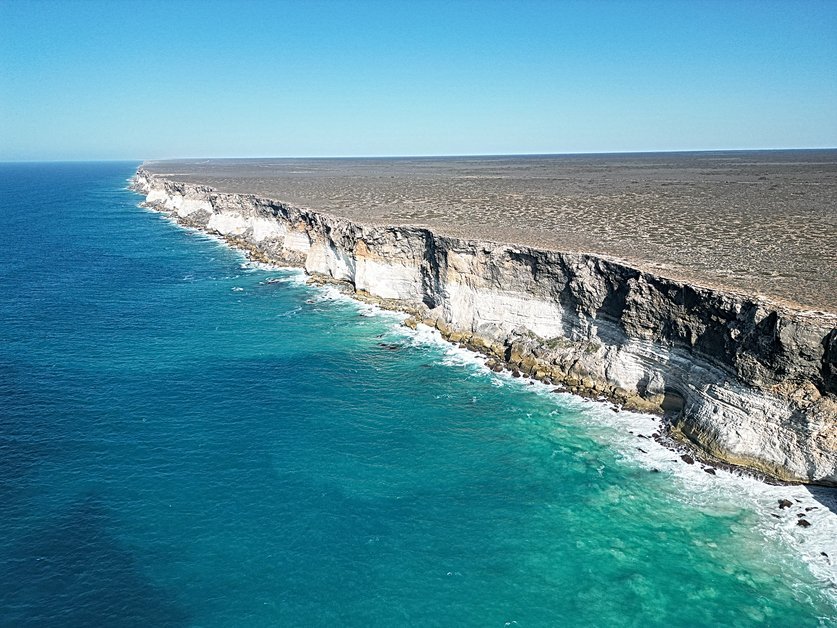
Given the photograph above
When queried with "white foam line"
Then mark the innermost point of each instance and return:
(697, 488)
(693, 486)
(289, 275)
(247, 264)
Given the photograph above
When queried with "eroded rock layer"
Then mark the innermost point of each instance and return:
(749, 382)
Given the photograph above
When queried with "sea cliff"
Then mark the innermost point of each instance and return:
(747, 381)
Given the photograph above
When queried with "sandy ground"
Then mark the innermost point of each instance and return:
(755, 222)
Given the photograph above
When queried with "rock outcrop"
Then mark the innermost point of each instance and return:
(749, 382)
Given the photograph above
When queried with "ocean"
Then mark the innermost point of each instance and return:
(190, 439)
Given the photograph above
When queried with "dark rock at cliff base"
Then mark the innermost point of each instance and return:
(785, 503)
(687, 459)
(723, 358)
(709, 470)
(803, 523)
(515, 373)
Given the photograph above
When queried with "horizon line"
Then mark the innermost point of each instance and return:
(428, 155)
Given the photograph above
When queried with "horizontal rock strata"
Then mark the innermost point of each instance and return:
(749, 382)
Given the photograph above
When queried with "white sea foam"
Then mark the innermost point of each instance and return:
(291, 276)
(290, 313)
(247, 264)
(629, 433)
(725, 490)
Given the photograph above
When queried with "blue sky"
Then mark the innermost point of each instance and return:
(144, 80)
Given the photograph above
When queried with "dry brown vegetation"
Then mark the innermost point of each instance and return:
(754, 222)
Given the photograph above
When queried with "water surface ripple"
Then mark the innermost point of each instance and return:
(183, 443)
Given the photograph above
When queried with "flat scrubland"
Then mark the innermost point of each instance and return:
(757, 222)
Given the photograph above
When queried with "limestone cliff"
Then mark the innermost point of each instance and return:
(749, 382)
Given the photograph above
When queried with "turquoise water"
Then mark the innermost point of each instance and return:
(185, 444)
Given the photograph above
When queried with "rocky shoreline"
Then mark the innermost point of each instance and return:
(748, 382)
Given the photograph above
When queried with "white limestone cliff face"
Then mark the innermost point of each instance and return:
(748, 382)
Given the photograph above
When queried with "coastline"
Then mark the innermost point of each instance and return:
(628, 433)
(739, 378)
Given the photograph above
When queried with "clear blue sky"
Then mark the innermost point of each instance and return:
(121, 79)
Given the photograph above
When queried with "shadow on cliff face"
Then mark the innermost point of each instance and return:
(829, 362)
(673, 402)
(72, 572)
(825, 495)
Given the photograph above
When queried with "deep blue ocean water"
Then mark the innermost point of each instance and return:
(183, 443)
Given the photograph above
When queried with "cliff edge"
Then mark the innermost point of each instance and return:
(750, 382)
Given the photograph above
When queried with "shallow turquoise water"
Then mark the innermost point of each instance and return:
(182, 443)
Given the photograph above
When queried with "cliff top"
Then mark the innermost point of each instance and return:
(758, 222)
